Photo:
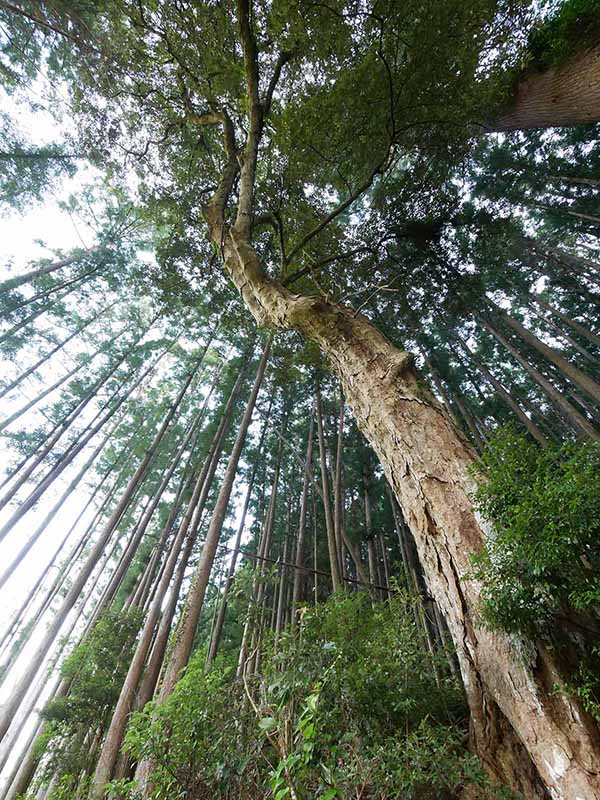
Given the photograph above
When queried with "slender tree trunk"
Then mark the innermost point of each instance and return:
(18, 326)
(22, 685)
(21, 775)
(566, 95)
(184, 639)
(299, 576)
(48, 390)
(40, 362)
(18, 558)
(565, 336)
(48, 479)
(50, 291)
(220, 619)
(506, 397)
(28, 277)
(329, 523)
(571, 372)
(594, 182)
(576, 326)
(576, 419)
(283, 575)
(68, 420)
(338, 488)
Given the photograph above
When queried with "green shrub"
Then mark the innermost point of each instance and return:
(540, 571)
(544, 558)
(348, 702)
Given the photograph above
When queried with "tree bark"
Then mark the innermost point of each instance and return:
(428, 465)
(329, 523)
(521, 729)
(566, 95)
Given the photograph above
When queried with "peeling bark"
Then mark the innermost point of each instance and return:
(427, 463)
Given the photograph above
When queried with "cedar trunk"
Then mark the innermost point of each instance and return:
(568, 94)
(521, 729)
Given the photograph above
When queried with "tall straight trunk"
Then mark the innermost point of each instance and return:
(47, 356)
(565, 95)
(385, 563)
(65, 568)
(470, 422)
(186, 630)
(281, 598)
(245, 665)
(594, 182)
(28, 277)
(371, 550)
(523, 734)
(21, 686)
(575, 262)
(576, 326)
(505, 396)
(329, 524)
(18, 558)
(68, 420)
(38, 397)
(27, 320)
(565, 336)
(220, 619)
(128, 555)
(571, 372)
(299, 576)
(67, 458)
(44, 295)
(21, 775)
(577, 420)
(186, 534)
(338, 491)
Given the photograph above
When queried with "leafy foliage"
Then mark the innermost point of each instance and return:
(95, 671)
(349, 703)
(544, 557)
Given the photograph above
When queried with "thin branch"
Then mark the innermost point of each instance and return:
(337, 210)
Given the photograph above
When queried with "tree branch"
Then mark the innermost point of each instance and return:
(336, 211)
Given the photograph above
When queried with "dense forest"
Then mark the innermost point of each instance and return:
(301, 445)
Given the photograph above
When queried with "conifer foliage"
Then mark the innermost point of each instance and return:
(300, 488)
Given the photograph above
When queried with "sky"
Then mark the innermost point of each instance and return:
(23, 239)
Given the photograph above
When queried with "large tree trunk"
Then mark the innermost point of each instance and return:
(560, 96)
(521, 729)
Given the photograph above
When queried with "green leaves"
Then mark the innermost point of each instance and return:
(267, 724)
